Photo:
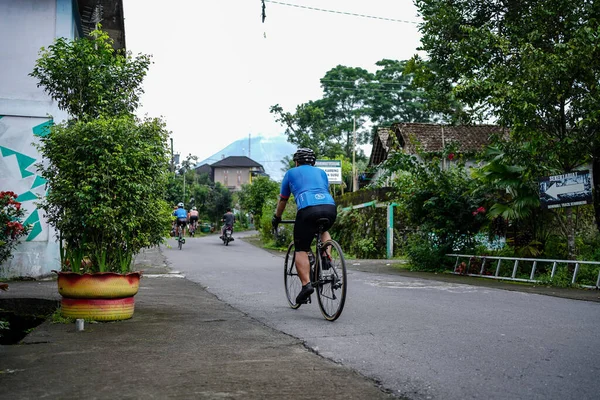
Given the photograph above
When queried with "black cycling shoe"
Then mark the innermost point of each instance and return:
(304, 295)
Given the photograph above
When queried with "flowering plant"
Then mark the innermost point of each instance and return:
(11, 229)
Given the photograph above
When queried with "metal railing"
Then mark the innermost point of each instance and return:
(513, 277)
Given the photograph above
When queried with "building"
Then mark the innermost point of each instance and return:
(26, 111)
(235, 171)
(415, 138)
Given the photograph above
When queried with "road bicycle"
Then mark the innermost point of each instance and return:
(180, 238)
(192, 228)
(327, 274)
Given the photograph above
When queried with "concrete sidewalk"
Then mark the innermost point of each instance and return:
(182, 342)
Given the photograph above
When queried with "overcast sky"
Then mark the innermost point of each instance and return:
(218, 68)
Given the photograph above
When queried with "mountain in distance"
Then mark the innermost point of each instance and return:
(267, 151)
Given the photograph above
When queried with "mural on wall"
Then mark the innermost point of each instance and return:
(18, 173)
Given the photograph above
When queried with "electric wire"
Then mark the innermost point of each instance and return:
(341, 12)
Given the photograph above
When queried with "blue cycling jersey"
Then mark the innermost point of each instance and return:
(308, 184)
(180, 213)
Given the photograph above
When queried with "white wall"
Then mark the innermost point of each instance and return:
(25, 27)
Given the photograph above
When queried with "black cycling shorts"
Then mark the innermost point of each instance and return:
(181, 221)
(193, 218)
(306, 227)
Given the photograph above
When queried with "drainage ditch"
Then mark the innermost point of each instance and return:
(18, 317)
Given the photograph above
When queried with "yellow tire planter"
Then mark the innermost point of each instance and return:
(103, 296)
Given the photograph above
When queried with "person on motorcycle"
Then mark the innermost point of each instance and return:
(310, 188)
(181, 215)
(229, 220)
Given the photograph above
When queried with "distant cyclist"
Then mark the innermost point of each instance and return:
(193, 217)
(310, 188)
(181, 215)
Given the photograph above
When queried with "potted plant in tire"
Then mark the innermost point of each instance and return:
(106, 170)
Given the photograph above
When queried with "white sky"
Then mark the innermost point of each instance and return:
(218, 69)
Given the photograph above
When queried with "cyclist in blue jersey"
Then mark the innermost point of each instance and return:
(310, 188)
(181, 215)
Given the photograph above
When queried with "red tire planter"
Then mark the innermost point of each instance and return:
(102, 296)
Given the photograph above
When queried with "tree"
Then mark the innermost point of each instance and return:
(353, 99)
(309, 127)
(88, 78)
(105, 168)
(253, 195)
(219, 199)
(394, 97)
(532, 65)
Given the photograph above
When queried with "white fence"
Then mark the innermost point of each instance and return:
(535, 267)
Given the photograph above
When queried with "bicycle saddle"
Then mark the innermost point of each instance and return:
(323, 224)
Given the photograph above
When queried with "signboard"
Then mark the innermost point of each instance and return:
(567, 190)
(333, 169)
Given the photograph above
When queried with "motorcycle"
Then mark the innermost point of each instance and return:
(227, 235)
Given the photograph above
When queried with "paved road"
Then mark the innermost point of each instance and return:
(421, 339)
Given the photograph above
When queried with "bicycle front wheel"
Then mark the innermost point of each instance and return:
(331, 290)
(291, 280)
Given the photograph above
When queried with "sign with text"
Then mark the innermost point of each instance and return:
(566, 190)
(333, 169)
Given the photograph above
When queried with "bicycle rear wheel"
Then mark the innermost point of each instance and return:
(291, 280)
(180, 240)
(331, 291)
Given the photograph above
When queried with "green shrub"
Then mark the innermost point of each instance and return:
(425, 255)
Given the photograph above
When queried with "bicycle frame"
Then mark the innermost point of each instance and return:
(327, 277)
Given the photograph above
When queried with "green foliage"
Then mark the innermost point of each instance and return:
(252, 197)
(353, 100)
(88, 78)
(285, 232)
(362, 232)
(426, 253)
(218, 200)
(394, 97)
(57, 318)
(562, 277)
(106, 178)
(11, 227)
(532, 66)
(438, 200)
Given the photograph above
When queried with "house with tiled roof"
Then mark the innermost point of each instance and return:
(235, 171)
(415, 138)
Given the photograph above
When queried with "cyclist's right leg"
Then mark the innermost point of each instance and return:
(303, 266)
(303, 237)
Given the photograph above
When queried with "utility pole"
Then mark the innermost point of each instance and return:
(172, 157)
(354, 180)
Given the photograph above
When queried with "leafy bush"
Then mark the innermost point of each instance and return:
(427, 255)
(106, 178)
(11, 227)
(105, 168)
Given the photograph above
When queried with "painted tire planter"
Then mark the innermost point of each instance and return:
(97, 309)
(103, 296)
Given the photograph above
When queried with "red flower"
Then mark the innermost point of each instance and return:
(474, 212)
(451, 156)
(481, 210)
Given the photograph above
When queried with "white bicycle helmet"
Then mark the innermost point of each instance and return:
(180, 205)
